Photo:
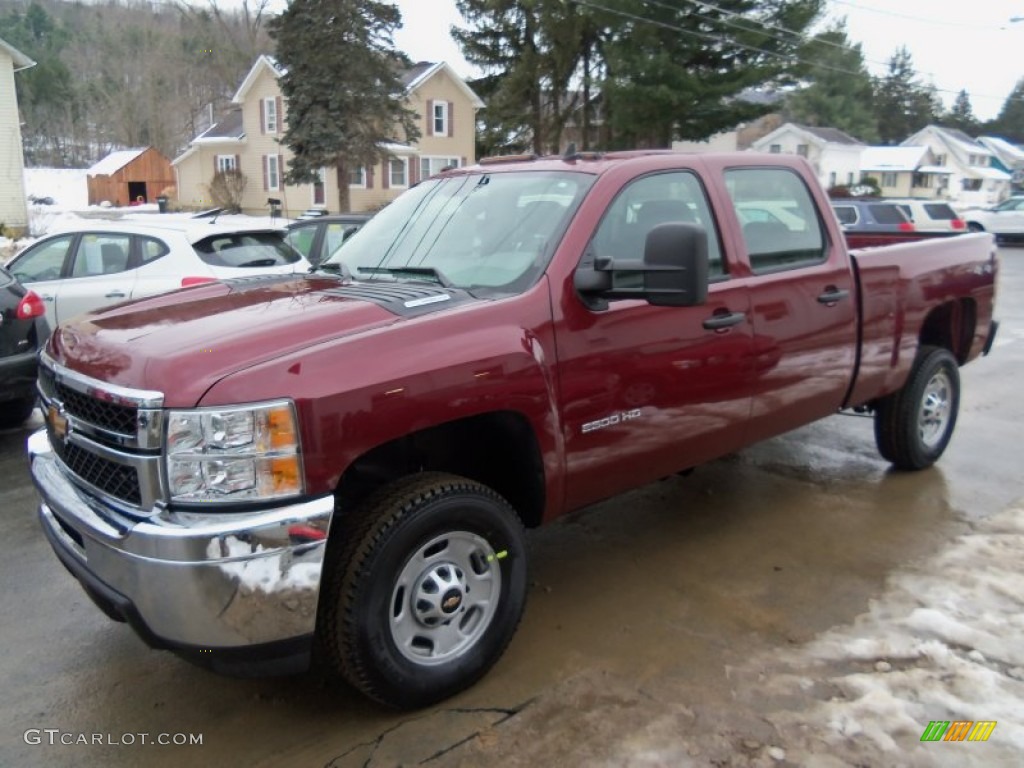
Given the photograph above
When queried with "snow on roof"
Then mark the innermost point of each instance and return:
(1003, 148)
(228, 127)
(831, 135)
(989, 173)
(891, 158)
(115, 161)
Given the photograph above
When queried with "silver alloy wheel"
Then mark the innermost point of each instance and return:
(936, 405)
(445, 598)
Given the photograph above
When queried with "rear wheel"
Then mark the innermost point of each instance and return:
(16, 412)
(914, 425)
(424, 590)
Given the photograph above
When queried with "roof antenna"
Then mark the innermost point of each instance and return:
(571, 153)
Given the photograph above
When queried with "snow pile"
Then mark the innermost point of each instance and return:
(944, 643)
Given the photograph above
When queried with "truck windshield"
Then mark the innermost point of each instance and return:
(489, 233)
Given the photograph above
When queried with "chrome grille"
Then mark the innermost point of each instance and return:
(109, 416)
(118, 480)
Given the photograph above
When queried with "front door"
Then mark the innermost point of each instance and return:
(647, 391)
(100, 275)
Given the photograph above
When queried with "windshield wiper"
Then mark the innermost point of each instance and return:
(433, 272)
(333, 266)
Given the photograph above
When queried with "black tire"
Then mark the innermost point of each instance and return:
(423, 531)
(16, 412)
(914, 425)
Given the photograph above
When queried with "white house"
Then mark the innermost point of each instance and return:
(1009, 155)
(972, 179)
(13, 211)
(834, 155)
(905, 171)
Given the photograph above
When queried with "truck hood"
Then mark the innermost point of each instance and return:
(183, 342)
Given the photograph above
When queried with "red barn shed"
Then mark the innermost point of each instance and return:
(130, 176)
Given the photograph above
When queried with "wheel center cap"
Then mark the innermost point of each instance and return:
(451, 601)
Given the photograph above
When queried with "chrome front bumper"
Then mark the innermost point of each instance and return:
(195, 583)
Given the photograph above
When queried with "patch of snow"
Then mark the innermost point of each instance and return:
(115, 161)
(67, 187)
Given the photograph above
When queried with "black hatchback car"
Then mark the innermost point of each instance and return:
(23, 331)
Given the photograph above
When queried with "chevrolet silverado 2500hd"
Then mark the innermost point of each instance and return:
(250, 471)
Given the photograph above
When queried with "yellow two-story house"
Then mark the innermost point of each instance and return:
(248, 139)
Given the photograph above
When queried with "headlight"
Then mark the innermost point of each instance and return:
(233, 454)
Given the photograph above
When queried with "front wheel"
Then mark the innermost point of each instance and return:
(914, 425)
(423, 590)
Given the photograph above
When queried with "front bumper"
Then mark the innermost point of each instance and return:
(234, 591)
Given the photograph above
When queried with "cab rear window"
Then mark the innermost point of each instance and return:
(247, 249)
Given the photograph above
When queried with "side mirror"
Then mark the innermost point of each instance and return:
(676, 265)
(674, 271)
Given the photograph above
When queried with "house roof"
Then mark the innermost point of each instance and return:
(954, 138)
(115, 161)
(229, 127)
(893, 159)
(1005, 150)
(261, 63)
(815, 135)
(21, 61)
(831, 135)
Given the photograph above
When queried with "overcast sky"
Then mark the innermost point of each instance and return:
(956, 45)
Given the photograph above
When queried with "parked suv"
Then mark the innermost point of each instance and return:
(23, 330)
(868, 223)
(99, 263)
(933, 216)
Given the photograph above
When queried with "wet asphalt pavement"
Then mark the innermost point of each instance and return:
(640, 606)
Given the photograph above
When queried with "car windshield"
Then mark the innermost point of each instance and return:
(246, 249)
(489, 233)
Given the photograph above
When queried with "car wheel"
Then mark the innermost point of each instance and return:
(16, 412)
(914, 425)
(424, 588)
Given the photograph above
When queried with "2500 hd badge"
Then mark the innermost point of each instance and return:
(611, 421)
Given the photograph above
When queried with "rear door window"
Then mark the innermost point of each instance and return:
(246, 250)
(151, 249)
(886, 213)
(100, 253)
(793, 240)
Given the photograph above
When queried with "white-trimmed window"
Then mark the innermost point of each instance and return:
(802, 149)
(357, 177)
(226, 163)
(431, 165)
(398, 169)
(273, 166)
(775, 149)
(270, 115)
(440, 118)
(889, 179)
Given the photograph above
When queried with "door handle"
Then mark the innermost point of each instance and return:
(46, 296)
(832, 295)
(720, 322)
(116, 295)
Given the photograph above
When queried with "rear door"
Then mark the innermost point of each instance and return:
(803, 305)
(99, 274)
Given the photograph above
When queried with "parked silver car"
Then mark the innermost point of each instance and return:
(96, 264)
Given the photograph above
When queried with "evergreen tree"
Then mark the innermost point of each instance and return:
(342, 85)
(676, 71)
(961, 115)
(1009, 123)
(839, 92)
(903, 105)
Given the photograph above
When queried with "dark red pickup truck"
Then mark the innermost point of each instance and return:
(251, 471)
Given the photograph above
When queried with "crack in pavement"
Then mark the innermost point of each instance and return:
(374, 744)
